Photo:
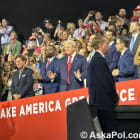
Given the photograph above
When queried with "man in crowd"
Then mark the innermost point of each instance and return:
(137, 11)
(71, 70)
(99, 20)
(14, 47)
(101, 85)
(126, 69)
(135, 39)
(135, 36)
(79, 32)
(49, 28)
(22, 80)
(112, 56)
(122, 17)
(49, 86)
(5, 31)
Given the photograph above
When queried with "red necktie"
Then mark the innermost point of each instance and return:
(48, 63)
(68, 69)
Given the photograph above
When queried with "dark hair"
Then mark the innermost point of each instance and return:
(53, 47)
(22, 57)
(125, 40)
(112, 31)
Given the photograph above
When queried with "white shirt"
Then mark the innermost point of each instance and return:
(73, 55)
(51, 59)
(122, 53)
(110, 43)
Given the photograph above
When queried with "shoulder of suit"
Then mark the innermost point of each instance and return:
(28, 69)
(80, 56)
(130, 53)
(63, 58)
(15, 72)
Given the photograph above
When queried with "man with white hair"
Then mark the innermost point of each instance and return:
(71, 70)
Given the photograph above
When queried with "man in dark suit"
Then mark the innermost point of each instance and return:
(71, 70)
(49, 86)
(126, 68)
(22, 80)
(135, 39)
(101, 85)
(112, 57)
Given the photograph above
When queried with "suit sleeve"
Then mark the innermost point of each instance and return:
(84, 69)
(115, 60)
(43, 72)
(13, 85)
(129, 68)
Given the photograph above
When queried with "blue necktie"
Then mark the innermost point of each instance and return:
(132, 43)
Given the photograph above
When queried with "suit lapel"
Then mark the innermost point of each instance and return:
(120, 60)
(17, 77)
(22, 73)
(64, 66)
(136, 43)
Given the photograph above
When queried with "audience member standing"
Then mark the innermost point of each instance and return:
(49, 86)
(71, 70)
(99, 20)
(135, 39)
(126, 69)
(79, 32)
(101, 85)
(5, 31)
(14, 47)
(22, 81)
(112, 57)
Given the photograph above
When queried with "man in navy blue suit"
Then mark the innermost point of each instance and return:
(49, 86)
(71, 69)
(112, 57)
(22, 80)
(126, 68)
(101, 85)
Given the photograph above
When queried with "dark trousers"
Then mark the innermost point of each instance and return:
(107, 120)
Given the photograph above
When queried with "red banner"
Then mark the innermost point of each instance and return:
(44, 117)
(129, 92)
(37, 118)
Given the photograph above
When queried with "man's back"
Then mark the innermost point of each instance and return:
(101, 84)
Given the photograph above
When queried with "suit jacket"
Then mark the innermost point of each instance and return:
(127, 69)
(48, 85)
(101, 85)
(16, 48)
(112, 57)
(135, 47)
(24, 85)
(79, 63)
(136, 44)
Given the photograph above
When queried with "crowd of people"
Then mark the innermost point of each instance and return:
(55, 59)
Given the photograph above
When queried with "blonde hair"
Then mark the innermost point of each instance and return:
(72, 28)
